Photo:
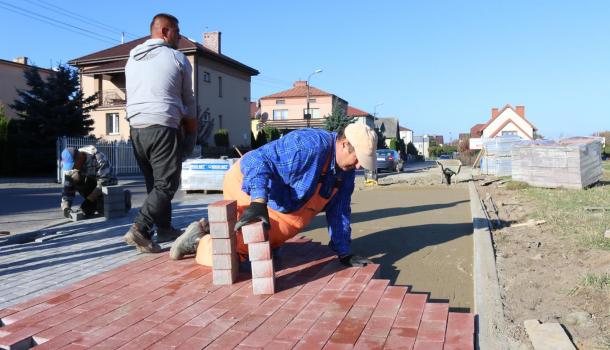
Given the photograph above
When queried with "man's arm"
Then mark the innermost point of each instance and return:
(189, 118)
(338, 216)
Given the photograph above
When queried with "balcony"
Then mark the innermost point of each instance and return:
(112, 98)
(293, 124)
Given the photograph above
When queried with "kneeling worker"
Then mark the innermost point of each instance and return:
(86, 170)
(287, 182)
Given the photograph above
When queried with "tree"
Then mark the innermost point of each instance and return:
(271, 133)
(4, 125)
(221, 138)
(261, 138)
(47, 110)
(411, 149)
(337, 120)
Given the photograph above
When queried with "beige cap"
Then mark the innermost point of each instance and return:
(364, 140)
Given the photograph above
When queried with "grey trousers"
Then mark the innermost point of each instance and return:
(158, 154)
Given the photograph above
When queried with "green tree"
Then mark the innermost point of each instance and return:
(337, 120)
(271, 133)
(47, 110)
(4, 125)
(261, 138)
(411, 149)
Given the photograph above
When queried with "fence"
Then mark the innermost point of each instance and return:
(119, 153)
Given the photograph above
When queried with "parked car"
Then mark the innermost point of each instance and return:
(444, 156)
(388, 159)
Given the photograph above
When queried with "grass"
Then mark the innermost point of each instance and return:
(564, 210)
(516, 185)
(601, 281)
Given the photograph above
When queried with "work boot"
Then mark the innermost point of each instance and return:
(167, 234)
(187, 243)
(136, 237)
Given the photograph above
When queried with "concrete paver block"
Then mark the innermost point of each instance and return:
(112, 190)
(222, 211)
(262, 268)
(254, 233)
(223, 245)
(265, 285)
(259, 251)
(547, 336)
(222, 229)
(224, 261)
(224, 277)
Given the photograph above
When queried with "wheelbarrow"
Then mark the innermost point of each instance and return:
(449, 167)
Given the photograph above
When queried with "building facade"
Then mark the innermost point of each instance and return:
(12, 78)
(220, 83)
(505, 121)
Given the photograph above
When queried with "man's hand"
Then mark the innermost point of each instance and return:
(67, 212)
(65, 208)
(351, 260)
(256, 211)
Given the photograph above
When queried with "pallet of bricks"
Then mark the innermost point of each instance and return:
(222, 216)
(115, 201)
(497, 155)
(573, 163)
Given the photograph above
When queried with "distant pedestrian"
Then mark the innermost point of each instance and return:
(161, 111)
(85, 171)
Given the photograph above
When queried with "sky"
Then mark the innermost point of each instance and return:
(438, 66)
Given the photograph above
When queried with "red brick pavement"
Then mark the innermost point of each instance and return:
(156, 303)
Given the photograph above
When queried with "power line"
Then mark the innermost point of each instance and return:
(80, 17)
(57, 23)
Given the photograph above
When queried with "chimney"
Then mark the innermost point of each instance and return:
(300, 83)
(494, 113)
(521, 111)
(211, 41)
(22, 60)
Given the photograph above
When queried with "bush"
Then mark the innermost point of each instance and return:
(221, 138)
(271, 133)
(393, 144)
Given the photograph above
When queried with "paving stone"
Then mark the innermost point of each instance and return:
(224, 277)
(254, 233)
(259, 251)
(222, 229)
(222, 211)
(262, 268)
(225, 261)
(223, 246)
(263, 285)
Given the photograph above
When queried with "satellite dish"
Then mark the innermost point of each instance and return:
(264, 117)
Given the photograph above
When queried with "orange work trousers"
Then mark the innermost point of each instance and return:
(283, 225)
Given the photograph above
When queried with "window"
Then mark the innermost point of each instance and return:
(112, 123)
(206, 77)
(315, 112)
(509, 133)
(280, 102)
(280, 114)
(219, 86)
(312, 100)
(206, 116)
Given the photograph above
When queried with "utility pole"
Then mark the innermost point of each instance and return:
(307, 111)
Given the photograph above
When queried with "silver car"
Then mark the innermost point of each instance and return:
(389, 160)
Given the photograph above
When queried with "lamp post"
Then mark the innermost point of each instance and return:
(307, 111)
(375, 109)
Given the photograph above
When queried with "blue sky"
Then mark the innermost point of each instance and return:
(439, 66)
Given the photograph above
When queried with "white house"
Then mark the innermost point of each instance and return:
(507, 121)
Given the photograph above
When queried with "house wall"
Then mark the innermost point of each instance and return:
(92, 84)
(296, 106)
(527, 131)
(233, 106)
(407, 136)
(12, 78)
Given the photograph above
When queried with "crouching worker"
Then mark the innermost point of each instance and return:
(86, 170)
(287, 182)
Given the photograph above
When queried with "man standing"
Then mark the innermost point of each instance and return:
(287, 182)
(160, 102)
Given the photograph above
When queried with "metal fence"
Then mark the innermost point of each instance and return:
(119, 153)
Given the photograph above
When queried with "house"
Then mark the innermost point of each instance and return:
(12, 78)
(505, 121)
(406, 134)
(286, 110)
(422, 143)
(389, 128)
(438, 139)
(220, 83)
(361, 116)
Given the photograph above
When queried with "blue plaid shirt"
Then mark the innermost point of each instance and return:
(286, 172)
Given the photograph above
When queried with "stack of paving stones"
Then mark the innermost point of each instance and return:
(114, 201)
(157, 303)
(261, 260)
(222, 216)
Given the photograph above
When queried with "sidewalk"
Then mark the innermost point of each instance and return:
(88, 247)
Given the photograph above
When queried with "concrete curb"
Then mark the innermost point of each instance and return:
(487, 300)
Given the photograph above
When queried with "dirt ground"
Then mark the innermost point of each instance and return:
(418, 230)
(556, 270)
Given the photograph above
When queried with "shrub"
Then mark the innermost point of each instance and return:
(221, 138)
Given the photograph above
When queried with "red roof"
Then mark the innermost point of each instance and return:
(355, 112)
(121, 53)
(299, 89)
(477, 130)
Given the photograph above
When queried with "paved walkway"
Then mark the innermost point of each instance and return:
(156, 303)
(74, 251)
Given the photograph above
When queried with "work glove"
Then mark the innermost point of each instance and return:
(256, 211)
(65, 208)
(187, 145)
(67, 212)
(352, 260)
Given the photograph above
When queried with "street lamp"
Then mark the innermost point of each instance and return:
(307, 111)
(375, 109)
